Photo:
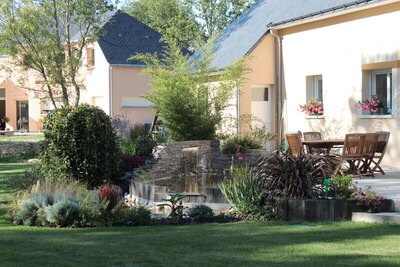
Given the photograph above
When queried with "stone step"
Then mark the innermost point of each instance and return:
(381, 217)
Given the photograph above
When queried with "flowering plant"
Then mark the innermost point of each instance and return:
(372, 105)
(368, 198)
(314, 107)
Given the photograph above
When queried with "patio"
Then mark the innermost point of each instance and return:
(387, 185)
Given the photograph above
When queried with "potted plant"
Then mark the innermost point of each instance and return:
(313, 108)
(374, 106)
(368, 198)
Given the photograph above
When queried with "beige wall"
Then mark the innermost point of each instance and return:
(261, 64)
(336, 50)
(13, 94)
(130, 82)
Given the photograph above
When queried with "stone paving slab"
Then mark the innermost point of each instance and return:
(386, 185)
(381, 217)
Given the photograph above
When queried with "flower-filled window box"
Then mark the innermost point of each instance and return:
(374, 106)
(312, 108)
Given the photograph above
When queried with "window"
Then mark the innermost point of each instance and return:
(46, 106)
(135, 103)
(314, 87)
(259, 94)
(381, 87)
(22, 116)
(90, 57)
(2, 102)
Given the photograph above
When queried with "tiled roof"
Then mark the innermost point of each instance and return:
(126, 36)
(242, 34)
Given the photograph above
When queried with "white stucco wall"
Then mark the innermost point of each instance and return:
(336, 52)
(97, 81)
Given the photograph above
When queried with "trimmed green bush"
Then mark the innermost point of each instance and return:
(201, 213)
(145, 145)
(137, 217)
(80, 143)
(342, 185)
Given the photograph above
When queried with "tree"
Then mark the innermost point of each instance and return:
(174, 20)
(215, 15)
(189, 23)
(187, 95)
(48, 37)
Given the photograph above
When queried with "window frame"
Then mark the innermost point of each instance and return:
(389, 89)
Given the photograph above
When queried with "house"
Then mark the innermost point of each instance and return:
(111, 80)
(336, 51)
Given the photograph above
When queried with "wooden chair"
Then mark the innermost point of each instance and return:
(311, 136)
(383, 139)
(295, 144)
(370, 143)
(352, 153)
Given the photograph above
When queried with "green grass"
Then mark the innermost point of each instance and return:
(235, 244)
(8, 171)
(17, 139)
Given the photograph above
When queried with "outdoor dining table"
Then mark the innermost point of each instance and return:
(327, 144)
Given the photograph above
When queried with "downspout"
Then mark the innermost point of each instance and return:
(110, 90)
(278, 91)
(238, 112)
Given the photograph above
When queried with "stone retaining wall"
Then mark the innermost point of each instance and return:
(11, 149)
(178, 159)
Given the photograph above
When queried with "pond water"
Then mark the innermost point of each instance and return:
(205, 184)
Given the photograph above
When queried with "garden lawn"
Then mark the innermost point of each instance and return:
(16, 139)
(8, 172)
(232, 244)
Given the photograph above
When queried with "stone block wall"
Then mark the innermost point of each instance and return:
(177, 159)
(10, 149)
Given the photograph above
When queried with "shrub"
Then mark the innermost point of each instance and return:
(137, 217)
(80, 143)
(34, 206)
(133, 162)
(122, 126)
(30, 177)
(95, 211)
(241, 143)
(201, 213)
(145, 145)
(59, 203)
(342, 185)
(65, 211)
(111, 193)
(127, 147)
(283, 175)
(138, 130)
(243, 193)
(183, 98)
(31, 210)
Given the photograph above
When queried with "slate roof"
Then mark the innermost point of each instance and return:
(126, 36)
(243, 34)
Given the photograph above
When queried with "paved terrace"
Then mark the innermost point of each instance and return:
(386, 185)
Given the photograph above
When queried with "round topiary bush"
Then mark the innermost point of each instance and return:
(80, 143)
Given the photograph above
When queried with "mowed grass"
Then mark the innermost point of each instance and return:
(8, 172)
(17, 139)
(238, 244)
(232, 244)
